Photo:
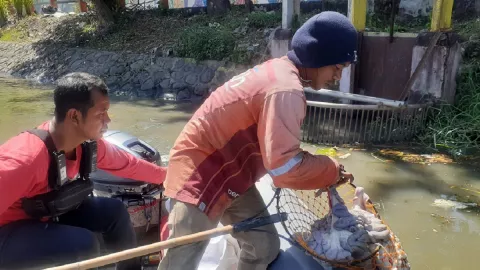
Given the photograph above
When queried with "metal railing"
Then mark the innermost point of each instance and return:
(346, 124)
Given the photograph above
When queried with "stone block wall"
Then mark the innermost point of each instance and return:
(126, 74)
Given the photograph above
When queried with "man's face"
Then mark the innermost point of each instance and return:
(95, 122)
(326, 76)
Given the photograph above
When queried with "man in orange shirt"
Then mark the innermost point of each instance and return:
(62, 230)
(248, 127)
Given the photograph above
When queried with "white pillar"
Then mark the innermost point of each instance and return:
(281, 37)
(357, 11)
(345, 82)
(296, 7)
(289, 9)
(287, 13)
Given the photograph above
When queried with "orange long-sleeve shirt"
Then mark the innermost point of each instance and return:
(24, 162)
(249, 126)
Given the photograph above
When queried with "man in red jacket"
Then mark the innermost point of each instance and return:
(29, 236)
(248, 127)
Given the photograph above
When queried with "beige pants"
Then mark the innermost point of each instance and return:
(258, 249)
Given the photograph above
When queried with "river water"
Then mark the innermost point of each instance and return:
(437, 237)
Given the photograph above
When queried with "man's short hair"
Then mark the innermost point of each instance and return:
(74, 91)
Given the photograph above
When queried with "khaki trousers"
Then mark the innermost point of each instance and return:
(258, 249)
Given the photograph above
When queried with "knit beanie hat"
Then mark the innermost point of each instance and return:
(328, 38)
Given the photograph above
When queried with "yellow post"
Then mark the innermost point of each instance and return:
(442, 15)
(357, 11)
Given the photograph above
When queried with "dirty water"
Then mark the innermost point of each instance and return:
(24, 105)
(431, 206)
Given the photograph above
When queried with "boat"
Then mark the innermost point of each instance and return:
(146, 200)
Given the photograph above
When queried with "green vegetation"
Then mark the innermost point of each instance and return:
(237, 36)
(265, 19)
(206, 43)
(229, 37)
(4, 11)
(376, 23)
(456, 128)
(13, 35)
(225, 37)
(21, 7)
(27, 4)
(18, 4)
(242, 38)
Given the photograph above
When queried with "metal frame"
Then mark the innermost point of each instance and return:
(345, 124)
(356, 97)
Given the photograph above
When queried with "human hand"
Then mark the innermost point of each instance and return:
(344, 176)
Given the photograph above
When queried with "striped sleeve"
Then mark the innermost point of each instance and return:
(279, 131)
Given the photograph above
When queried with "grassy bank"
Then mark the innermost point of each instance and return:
(456, 128)
(239, 37)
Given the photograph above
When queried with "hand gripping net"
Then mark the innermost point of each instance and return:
(304, 208)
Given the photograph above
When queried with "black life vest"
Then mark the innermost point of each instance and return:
(65, 195)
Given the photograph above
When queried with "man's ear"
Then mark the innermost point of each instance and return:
(73, 116)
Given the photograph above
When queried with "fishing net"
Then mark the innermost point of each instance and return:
(304, 208)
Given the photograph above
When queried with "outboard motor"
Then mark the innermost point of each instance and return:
(142, 200)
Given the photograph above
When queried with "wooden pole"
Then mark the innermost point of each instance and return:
(144, 250)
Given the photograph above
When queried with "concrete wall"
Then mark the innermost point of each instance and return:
(438, 76)
(126, 74)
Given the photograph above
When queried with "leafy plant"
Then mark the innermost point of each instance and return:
(163, 8)
(4, 11)
(265, 19)
(456, 128)
(28, 4)
(206, 42)
(18, 4)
